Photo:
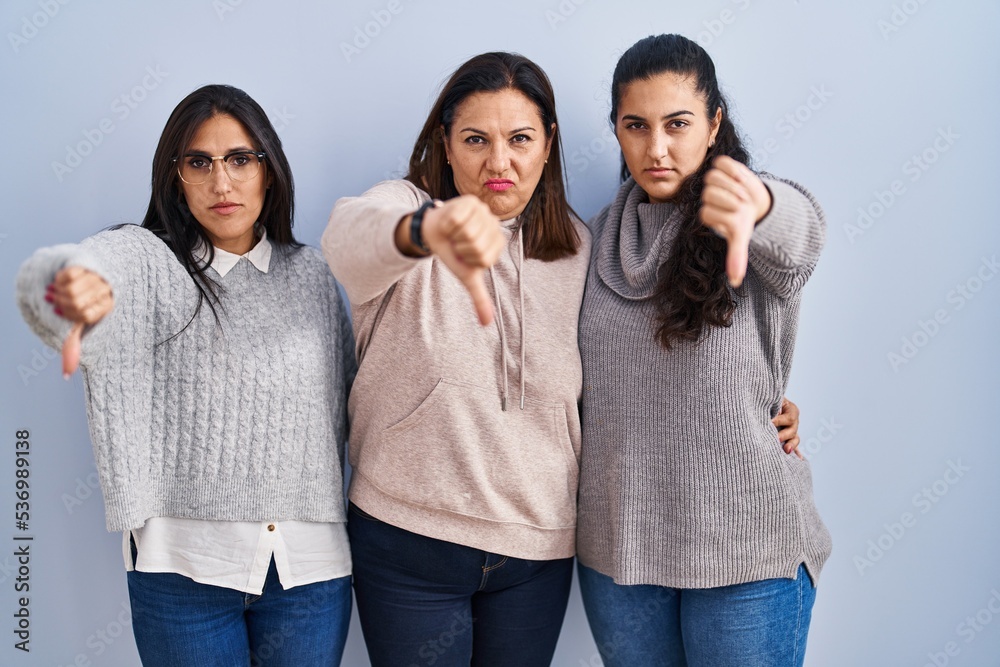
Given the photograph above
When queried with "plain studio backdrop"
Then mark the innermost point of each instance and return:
(884, 109)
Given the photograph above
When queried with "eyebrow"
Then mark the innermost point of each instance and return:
(520, 129)
(238, 149)
(683, 112)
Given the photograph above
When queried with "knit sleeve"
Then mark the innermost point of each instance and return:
(359, 241)
(349, 365)
(786, 244)
(347, 348)
(119, 257)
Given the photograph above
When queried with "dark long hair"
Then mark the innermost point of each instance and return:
(692, 289)
(548, 231)
(168, 215)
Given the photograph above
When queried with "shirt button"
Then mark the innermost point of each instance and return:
(270, 527)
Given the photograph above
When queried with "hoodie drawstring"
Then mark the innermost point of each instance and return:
(500, 323)
(503, 340)
(520, 298)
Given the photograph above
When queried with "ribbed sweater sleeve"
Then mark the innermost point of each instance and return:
(359, 241)
(786, 244)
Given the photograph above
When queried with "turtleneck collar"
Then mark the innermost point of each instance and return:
(634, 242)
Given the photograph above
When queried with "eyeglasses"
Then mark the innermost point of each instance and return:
(241, 166)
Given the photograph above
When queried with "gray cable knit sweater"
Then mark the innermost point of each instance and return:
(683, 481)
(240, 420)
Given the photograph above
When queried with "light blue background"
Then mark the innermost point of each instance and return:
(883, 79)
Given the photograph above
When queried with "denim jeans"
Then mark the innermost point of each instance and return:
(177, 621)
(426, 602)
(757, 624)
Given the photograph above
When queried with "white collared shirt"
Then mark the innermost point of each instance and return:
(237, 554)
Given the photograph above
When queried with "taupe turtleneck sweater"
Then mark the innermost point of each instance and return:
(684, 483)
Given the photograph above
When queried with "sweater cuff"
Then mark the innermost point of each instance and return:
(791, 234)
(34, 277)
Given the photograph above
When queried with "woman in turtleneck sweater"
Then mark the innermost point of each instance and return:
(698, 540)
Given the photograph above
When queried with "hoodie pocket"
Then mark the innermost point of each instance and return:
(459, 452)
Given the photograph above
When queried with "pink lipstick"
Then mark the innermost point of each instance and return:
(225, 207)
(499, 184)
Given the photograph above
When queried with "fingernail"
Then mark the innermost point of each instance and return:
(58, 311)
(66, 376)
(49, 298)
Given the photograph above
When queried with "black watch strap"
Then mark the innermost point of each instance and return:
(416, 225)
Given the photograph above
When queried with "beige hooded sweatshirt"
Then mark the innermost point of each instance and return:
(461, 432)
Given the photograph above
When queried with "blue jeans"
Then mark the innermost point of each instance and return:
(757, 624)
(423, 601)
(177, 621)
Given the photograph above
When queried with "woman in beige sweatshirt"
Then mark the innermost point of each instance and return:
(465, 430)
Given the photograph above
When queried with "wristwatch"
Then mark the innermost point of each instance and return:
(417, 222)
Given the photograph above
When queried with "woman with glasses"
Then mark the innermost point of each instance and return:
(217, 356)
